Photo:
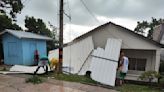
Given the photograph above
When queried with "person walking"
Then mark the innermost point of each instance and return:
(43, 62)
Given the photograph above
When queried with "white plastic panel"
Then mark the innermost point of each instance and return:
(27, 69)
(79, 53)
(75, 55)
(86, 66)
(104, 62)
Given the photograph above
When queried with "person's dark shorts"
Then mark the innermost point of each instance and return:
(121, 75)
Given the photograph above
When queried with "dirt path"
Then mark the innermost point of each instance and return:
(10, 83)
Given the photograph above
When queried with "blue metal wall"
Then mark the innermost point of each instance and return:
(21, 51)
(29, 47)
(12, 48)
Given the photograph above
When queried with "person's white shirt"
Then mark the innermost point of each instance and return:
(125, 64)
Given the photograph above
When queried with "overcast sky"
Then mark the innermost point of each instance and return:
(122, 12)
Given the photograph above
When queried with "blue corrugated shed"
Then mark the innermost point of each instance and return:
(19, 47)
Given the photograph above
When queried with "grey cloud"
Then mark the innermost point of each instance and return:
(129, 9)
(134, 9)
(44, 9)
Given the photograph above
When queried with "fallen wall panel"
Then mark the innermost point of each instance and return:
(75, 55)
(27, 69)
(104, 62)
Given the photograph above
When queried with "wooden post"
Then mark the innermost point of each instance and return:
(60, 38)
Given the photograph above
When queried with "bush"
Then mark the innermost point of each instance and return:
(149, 75)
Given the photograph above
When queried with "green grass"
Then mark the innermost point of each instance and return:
(34, 79)
(71, 78)
(137, 88)
(74, 78)
(86, 80)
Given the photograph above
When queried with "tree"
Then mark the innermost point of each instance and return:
(144, 25)
(9, 7)
(39, 27)
(6, 23)
(36, 26)
(13, 6)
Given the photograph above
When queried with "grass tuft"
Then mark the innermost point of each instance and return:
(34, 79)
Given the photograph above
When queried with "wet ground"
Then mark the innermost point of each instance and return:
(10, 83)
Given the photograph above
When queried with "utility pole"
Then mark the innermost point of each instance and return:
(60, 37)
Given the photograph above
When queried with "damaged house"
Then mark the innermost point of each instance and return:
(143, 54)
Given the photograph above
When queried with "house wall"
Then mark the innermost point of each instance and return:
(29, 47)
(12, 48)
(134, 45)
(149, 55)
(130, 40)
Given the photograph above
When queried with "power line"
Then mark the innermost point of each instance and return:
(69, 14)
(69, 9)
(92, 14)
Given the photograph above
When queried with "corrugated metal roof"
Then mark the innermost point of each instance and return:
(28, 35)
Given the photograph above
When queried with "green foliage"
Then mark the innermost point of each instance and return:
(36, 26)
(71, 78)
(9, 7)
(39, 27)
(141, 26)
(144, 25)
(13, 6)
(149, 75)
(74, 78)
(137, 88)
(6, 23)
(34, 79)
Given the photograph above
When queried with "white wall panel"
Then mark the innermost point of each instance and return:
(104, 62)
(79, 53)
(75, 54)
